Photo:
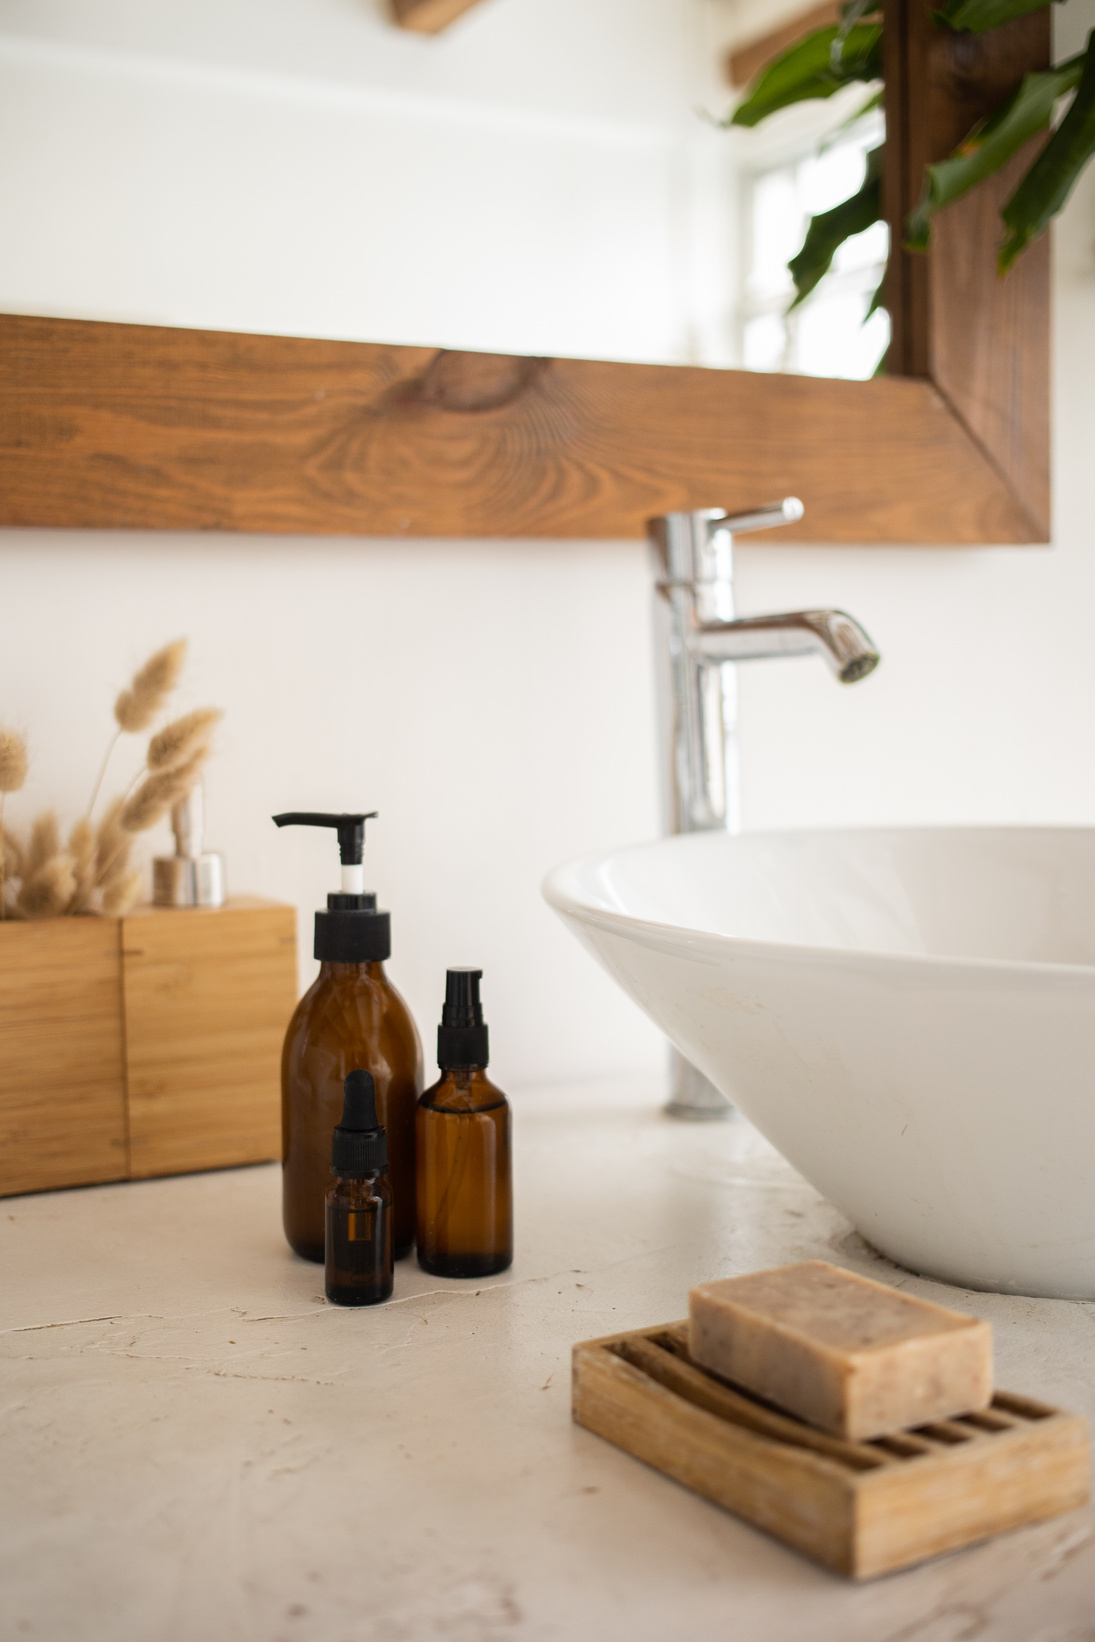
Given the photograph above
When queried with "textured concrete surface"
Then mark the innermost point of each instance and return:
(194, 1445)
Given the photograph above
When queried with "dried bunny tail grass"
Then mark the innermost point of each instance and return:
(149, 688)
(136, 707)
(110, 848)
(119, 896)
(11, 859)
(13, 772)
(183, 738)
(45, 843)
(47, 892)
(118, 864)
(109, 836)
(13, 760)
(81, 847)
(157, 793)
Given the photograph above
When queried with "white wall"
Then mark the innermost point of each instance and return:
(493, 701)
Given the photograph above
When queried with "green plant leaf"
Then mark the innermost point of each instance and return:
(878, 300)
(1050, 180)
(828, 231)
(806, 71)
(850, 14)
(978, 15)
(990, 145)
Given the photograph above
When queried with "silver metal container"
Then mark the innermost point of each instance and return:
(192, 877)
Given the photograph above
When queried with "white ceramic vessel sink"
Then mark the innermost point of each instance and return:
(908, 1015)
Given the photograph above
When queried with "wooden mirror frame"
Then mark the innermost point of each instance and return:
(108, 426)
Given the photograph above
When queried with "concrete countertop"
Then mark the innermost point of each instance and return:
(196, 1446)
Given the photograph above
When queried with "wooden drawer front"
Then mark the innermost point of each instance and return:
(208, 996)
(62, 1078)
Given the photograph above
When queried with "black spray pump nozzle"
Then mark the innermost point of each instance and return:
(462, 1036)
(350, 829)
(462, 1006)
(359, 1145)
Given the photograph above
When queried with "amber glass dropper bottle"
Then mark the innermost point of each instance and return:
(350, 1017)
(465, 1189)
(359, 1202)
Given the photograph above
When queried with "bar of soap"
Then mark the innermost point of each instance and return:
(849, 1355)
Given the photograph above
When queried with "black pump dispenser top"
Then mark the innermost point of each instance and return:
(350, 829)
(462, 1036)
(359, 1146)
(351, 931)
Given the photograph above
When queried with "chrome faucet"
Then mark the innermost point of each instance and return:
(698, 708)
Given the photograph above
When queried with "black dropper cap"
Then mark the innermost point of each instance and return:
(351, 931)
(359, 1146)
(462, 1035)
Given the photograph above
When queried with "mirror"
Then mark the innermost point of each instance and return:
(539, 177)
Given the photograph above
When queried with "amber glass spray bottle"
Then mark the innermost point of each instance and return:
(359, 1202)
(465, 1191)
(352, 1016)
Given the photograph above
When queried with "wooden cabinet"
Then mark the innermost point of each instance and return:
(144, 1045)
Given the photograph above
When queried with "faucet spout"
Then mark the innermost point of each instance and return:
(832, 634)
(701, 638)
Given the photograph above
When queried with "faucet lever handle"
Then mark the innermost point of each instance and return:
(760, 518)
(695, 547)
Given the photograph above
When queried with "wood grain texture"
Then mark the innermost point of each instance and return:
(862, 1509)
(429, 16)
(62, 1082)
(984, 341)
(134, 427)
(208, 995)
(794, 1494)
(748, 59)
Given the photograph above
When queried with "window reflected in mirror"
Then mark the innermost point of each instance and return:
(833, 332)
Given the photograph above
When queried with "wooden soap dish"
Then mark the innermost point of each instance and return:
(861, 1508)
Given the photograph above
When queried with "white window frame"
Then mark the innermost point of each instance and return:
(800, 134)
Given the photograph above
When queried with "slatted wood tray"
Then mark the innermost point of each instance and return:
(861, 1508)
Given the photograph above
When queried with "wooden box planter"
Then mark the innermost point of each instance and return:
(143, 1045)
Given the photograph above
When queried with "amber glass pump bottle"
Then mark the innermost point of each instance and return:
(351, 1017)
(465, 1190)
